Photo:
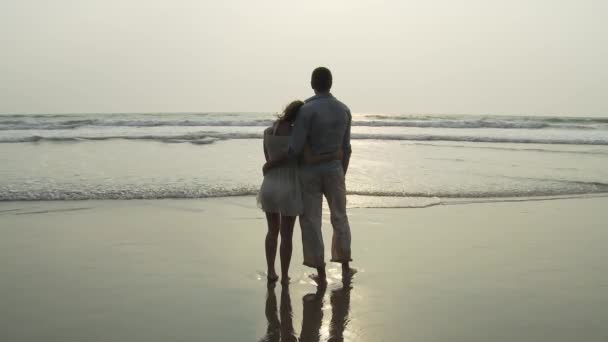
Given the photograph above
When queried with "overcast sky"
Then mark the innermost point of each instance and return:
(431, 56)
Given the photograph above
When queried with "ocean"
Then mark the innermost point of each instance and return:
(397, 161)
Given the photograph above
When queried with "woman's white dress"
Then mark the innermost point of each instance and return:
(280, 191)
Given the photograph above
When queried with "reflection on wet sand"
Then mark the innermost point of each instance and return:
(340, 308)
(312, 321)
(288, 334)
(312, 315)
(273, 332)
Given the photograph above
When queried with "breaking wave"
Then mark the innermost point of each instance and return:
(74, 121)
(210, 137)
(109, 192)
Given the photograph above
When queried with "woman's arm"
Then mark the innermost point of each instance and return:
(310, 158)
(273, 163)
(266, 132)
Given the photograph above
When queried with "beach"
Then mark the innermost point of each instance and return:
(144, 227)
(193, 270)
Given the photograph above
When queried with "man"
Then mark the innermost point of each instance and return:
(324, 123)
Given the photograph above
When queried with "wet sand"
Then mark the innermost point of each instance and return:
(192, 270)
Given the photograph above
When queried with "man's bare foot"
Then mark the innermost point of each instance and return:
(347, 271)
(285, 280)
(272, 277)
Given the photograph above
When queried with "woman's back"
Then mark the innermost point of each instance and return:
(280, 190)
(276, 140)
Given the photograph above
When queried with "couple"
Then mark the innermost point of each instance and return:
(307, 153)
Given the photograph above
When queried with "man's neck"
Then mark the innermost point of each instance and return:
(322, 93)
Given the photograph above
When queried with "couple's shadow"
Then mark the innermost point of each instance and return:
(280, 325)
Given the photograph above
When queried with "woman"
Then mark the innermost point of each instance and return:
(280, 196)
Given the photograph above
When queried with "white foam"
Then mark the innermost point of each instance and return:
(368, 199)
(57, 122)
(209, 137)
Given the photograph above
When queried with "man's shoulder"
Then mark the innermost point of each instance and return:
(343, 105)
(313, 100)
(307, 108)
(310, 102)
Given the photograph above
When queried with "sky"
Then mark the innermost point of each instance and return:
(532, 57)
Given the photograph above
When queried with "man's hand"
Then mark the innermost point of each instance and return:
(345, 162)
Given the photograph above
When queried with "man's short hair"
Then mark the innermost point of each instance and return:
(321, 79)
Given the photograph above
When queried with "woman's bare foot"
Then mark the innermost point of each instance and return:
(272, 277)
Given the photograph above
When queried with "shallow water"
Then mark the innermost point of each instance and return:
(416, 173)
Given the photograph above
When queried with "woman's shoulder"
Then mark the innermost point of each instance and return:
(278, 128)
(271, 129)
(283, 128)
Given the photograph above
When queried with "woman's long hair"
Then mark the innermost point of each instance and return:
(290, 112)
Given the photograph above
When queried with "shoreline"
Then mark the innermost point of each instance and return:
(441, 201)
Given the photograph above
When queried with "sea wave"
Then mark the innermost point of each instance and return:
(545, 119)
(516, 149)
(126, 193)
(210, 137)
(67, 122)
(144, 193)
(465, 123)
(73, 124)
(482, 139)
